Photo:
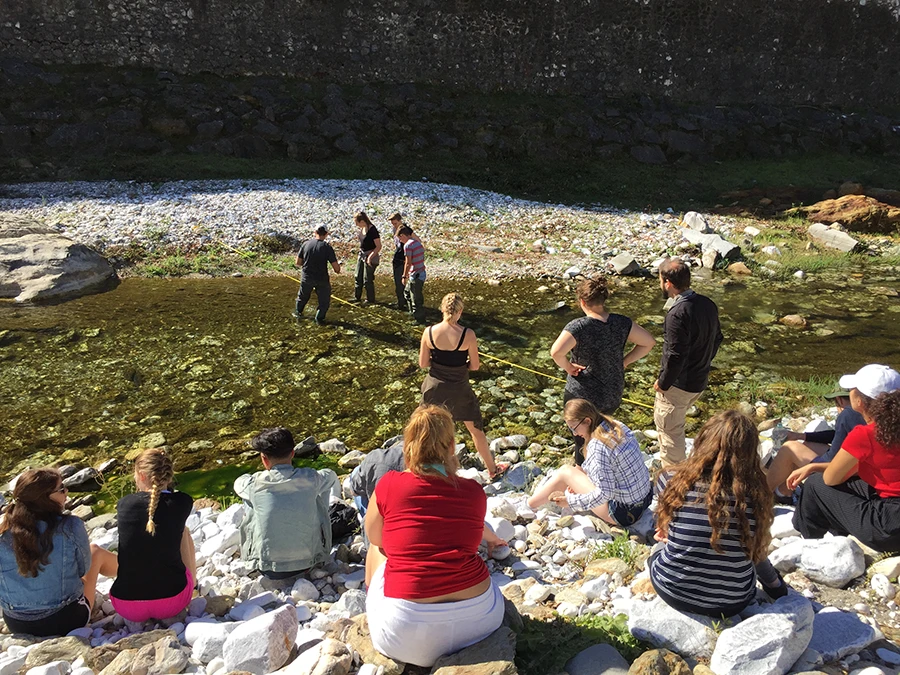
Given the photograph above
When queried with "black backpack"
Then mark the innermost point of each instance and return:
(344, 520)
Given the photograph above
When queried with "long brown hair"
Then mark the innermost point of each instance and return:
(32, 504)
(726, 459)
(577, 409)
(156, 465)
(429, 439)
(361, 217)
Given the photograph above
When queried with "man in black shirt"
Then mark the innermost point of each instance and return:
(691, 339)
(313, 257)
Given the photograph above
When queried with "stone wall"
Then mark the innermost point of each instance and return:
(784, 52)
(56, 115)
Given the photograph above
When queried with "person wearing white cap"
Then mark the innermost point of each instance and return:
(858, 491)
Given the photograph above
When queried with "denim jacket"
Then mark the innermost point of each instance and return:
(56, 585)
(286, 526)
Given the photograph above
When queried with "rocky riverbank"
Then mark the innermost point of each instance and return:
(840, 617)
(468, 232)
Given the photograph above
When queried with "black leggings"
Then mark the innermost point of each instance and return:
(74, 615)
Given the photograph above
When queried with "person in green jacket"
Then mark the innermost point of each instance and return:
(286, 528)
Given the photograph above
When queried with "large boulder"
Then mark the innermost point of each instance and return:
(38, 263)
(690, 635)
(600, 659)
(837, 633)
(355, 632)
(712, 242)
(769, 642)
(835, 561)
(857, 213)
(495, 655)
(263, 644)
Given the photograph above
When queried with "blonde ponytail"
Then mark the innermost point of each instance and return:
(151, 509)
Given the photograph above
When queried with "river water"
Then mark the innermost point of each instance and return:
(215, 360)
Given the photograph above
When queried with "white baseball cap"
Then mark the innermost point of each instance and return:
(872, 380)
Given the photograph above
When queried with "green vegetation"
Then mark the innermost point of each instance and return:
(621, 547)
(545, 646)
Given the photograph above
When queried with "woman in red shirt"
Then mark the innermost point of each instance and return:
(429, 592)
(858, 492)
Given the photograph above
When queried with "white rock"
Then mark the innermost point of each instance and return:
(767, 643)
(304, 589)
(538, 593)
(871, 670)
(243, 610)
(596, 588)
(84, 670)
(52, 668)
(837, 633)
(501, 527)
(889, 567)
(690, 635)
(196, 629)
(782, 525)
(84, 632)
(326, 658)
(226, 538)
(883, 586)
(263, 644)
(835, 561)
(352, 603)
(11, 663)
(501, 508)
(215, 665)
(208, 645)
(568, 610)
(889, 656)
(231, 517)
(304, 613)
(500, 552)
(599, 659)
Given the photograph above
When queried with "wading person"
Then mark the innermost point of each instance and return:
(398, 262)
(692, 337)
(597, 342)
(286, 528)
(614, 483)
(858, 491)
(48, 568)
(313, 258)
(429, 592)
(449, 351)
(367, 261)
(413, 272)
(157, 563)
(713, 523)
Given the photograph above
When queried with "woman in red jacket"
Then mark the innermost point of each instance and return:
(429, 593)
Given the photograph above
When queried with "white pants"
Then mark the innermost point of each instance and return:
(420, 633)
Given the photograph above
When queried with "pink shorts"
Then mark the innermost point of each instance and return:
(164, 608)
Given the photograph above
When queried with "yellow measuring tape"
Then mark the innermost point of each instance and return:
(403, 327)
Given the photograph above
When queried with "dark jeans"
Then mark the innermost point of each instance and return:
(399, 288)
(365, 278)
(323, 296)
(415, 299)
(853, 507)
(74, 615)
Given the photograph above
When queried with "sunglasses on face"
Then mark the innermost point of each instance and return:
(62, 489)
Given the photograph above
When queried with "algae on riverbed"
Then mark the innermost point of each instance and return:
(217, 359)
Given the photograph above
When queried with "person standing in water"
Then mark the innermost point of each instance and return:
(369, 252)
(313, 258)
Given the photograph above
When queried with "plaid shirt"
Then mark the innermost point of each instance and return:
(619, 474)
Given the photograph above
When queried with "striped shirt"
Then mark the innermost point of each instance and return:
(619, 473)
(415, 252)
(691, 571)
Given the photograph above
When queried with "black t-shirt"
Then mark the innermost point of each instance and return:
(316, 255)
(150, 566)
(367, 243)
(600, 346)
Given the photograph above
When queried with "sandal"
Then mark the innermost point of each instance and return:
(502, 468)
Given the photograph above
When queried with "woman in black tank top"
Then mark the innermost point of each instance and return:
(447, 382)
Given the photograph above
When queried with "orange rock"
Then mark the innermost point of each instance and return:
(738, 268)
(857, 213)
(793, 320)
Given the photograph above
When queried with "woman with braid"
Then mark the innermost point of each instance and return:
(157, 562)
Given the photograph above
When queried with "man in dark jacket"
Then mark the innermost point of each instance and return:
(691, 338)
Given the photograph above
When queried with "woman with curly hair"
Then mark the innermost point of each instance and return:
(429, 592)
(713, 521)
(157, 562)
(858, 492)
(48, 569)
(597, 342)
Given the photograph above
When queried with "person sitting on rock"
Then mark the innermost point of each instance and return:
(801, 448)
(858, 492)
(613, 483)
(372, 469)
(430, 594)
(286, 528)
(713, 524)
(157, 562)
(48, 568)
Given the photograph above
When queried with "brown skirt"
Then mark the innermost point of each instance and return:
(444, 386)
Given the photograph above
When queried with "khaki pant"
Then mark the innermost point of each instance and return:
(669, 411)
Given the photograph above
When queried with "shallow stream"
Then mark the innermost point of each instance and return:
(209, 361)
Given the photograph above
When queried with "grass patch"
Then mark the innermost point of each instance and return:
(621, 547)
(545, 646)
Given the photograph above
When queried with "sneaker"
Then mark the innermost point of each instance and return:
(355, 300)
(321, 322)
